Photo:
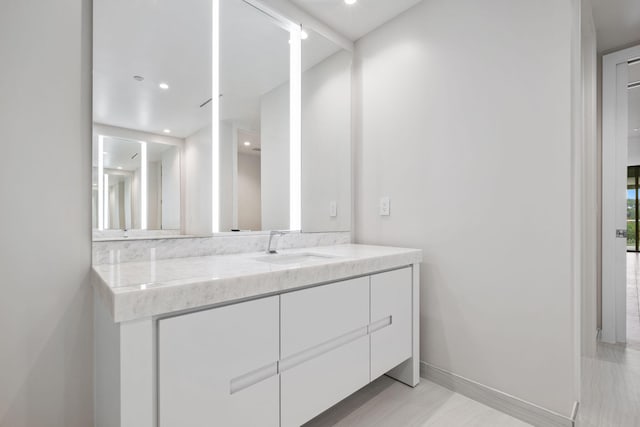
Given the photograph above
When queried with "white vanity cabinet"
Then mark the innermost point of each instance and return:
(282, 360)
(269, 347)
(324, 347)
(219, 367)
(391, 320)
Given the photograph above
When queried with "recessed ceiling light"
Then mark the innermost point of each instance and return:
(247, 143)
(163, 86)
(104, 152)
(304, 35)
(120, 167)
(350, 2)
(167, 131)
(636, 129)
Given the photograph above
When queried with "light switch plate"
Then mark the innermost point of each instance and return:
(333, 209)
(385, 206)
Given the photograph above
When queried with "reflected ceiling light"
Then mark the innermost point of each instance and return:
(304, 35)
(247, 143)
(636, 129)
(163, 86)
(350, 2)
(167, 131)
(104, 152)
(119, 167)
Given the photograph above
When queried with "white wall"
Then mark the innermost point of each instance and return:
(198, 174)
(136, 199)
(198, 192)
(326, 144)
(633, 154)
(249, 193)
(171, 189)
(116, 205)
(465, 123)
(274, 140)
(227, 147)
(45, 248)
(154, 196)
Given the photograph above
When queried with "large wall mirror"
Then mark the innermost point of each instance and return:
(217, 116)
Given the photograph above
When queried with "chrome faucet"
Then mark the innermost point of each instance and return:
(274, 233)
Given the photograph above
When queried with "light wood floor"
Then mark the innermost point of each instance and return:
(610, 398)
(388, 403)
(611, 380)
(611, 388)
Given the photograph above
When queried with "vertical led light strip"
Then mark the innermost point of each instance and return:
(215, 119)
(100, 182)
(295, 133)
(143, 185)
(106, 201)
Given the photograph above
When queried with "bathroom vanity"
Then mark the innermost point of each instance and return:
(251, 339)
(191, 172)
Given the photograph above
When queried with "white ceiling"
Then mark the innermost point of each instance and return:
(354, 21)
(163, 41)
(170, 41)
(617, 23)
(250, 137)
(124, 154)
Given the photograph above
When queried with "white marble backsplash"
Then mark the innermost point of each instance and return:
(119, 251)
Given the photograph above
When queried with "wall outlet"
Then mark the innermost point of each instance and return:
(333, 209)
(385, 206)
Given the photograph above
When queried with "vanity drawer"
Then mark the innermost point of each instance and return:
(216, 364)
(315, 316)
(391, 314)
(310, 388)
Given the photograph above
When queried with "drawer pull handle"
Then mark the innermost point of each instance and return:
(380, 324)
(313, 352)
(254, 377)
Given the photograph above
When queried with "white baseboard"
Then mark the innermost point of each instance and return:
(517, 408)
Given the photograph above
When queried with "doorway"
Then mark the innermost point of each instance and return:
(619, 186)
(633, 174)
(620, 196)
(633, 207)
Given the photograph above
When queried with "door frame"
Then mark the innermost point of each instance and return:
(614, 170)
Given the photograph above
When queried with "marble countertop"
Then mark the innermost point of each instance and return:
(135, 290)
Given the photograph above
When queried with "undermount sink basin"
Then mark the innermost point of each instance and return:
(297, 258)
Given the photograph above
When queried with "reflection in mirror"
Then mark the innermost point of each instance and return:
(140, 187)
(254, 119)
(152, 96)
(122, 172)
(326, 135)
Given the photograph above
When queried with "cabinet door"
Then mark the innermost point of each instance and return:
(310, 388)
(317, 315)
(324, 347)
(219, 367)
(391, 313)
